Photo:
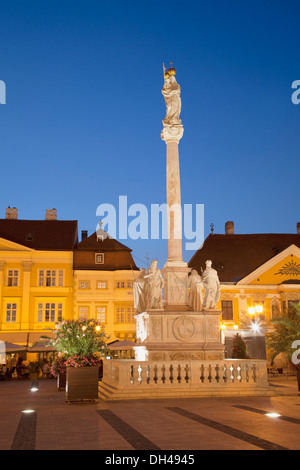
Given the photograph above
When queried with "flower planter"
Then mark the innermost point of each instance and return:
(82, 384)
(61, 382)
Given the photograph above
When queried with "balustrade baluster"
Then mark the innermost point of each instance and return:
(202, 373)
(148, 374)
(155, 378)
(231, 368)
(179, 374)
(225, 373)
(217, 376)
(140, 379)
(163, 374)
(186, 378)
(171, 373)
(254, 376)
(132, 374)
(246, 373)
(239, 373)
(209, 377)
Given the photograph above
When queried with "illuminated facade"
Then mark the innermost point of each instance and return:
(46, 276)
(104, 272)
(36, 275)
(254, 270)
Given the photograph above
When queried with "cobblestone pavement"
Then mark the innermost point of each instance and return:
(174, 424)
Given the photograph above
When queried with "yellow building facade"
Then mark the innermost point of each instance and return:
(36, 277)
(104, 272)
(46, 276)
(259, 277)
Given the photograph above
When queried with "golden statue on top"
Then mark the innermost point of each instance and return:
(171, 92)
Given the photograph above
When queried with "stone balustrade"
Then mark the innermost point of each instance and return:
(125, 379)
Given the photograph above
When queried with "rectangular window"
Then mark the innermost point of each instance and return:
(84, 284)
(101, 314)
(101, 284)
(83, 313)
(99, 258)
(60, 278)
(120, 314)
(59, 312)
(51, 278)
(120, 285)
(40, 312)
(227, 309)
(49, 312)
(11, 313)
(12, 277)
(129, 284)
(130, 314)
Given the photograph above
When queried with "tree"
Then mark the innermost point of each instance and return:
(239, 348)
(79, 341)
(282, 339)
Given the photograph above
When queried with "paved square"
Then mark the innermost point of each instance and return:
(174, 424)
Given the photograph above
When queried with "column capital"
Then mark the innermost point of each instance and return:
(27, 265)
(172, 133)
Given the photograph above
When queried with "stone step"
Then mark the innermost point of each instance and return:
(107, 393)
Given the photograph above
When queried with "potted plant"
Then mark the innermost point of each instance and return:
(59, 371)
(284, 337)
(82, 343)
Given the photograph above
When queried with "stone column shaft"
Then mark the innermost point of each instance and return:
(174, 203)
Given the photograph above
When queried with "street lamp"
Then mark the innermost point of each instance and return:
(253, 311)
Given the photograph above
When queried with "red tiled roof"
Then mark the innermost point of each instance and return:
(56, 235)
(235, 256)
(116, 255)
(92, 243)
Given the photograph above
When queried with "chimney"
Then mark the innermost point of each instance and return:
(11, 213)
(298, 228)
(51, 214)
(84, 235)
(229, 228)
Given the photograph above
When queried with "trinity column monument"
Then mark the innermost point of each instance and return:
(181, 326)
(175, 270)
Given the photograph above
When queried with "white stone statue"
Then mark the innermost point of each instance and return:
(211, 285)
(153, 287)
(195, 294)
(171, 92)
(139, 292)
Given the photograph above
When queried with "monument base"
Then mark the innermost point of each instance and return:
(139, 380)
(167, 335)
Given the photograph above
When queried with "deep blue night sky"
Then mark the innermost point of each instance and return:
(84, 109)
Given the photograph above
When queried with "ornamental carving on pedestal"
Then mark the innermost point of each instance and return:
(183, 328)
(212, 328)
(186, 356)
(156, 327)
(177, 293)
(157, 356)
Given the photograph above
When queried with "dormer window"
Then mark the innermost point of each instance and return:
(99, 258)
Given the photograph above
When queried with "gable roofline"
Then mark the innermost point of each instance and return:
(292, 249)
(14, 245)
(92, 243)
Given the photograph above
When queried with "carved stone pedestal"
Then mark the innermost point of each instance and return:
(176, 286)
(174, 335)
